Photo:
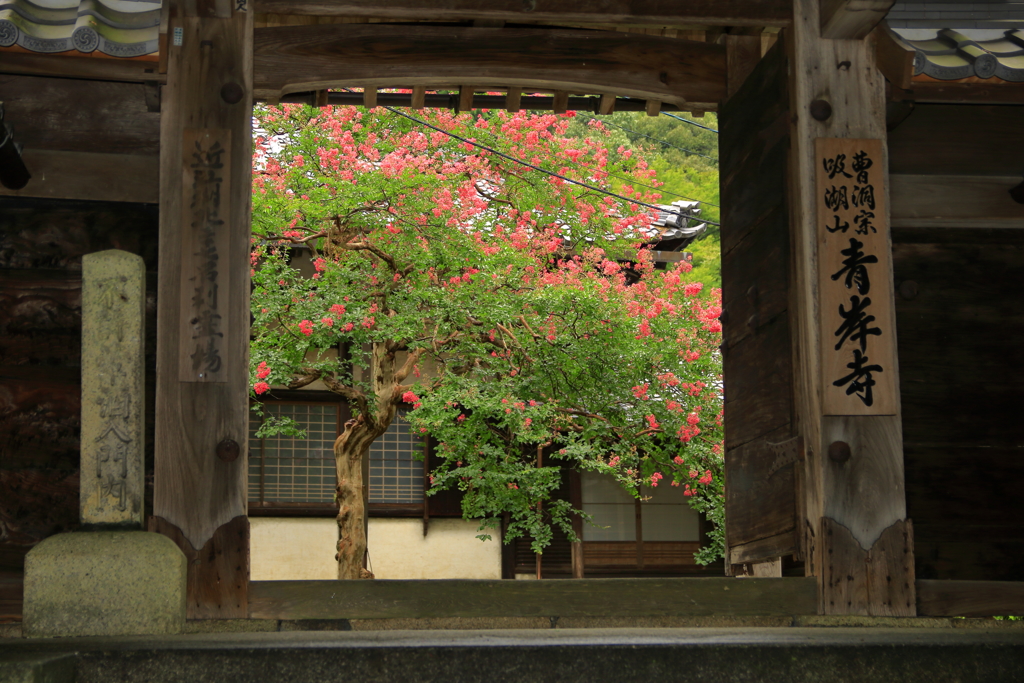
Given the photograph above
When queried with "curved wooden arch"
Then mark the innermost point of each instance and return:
(302, 58)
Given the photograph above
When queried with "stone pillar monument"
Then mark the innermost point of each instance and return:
(112, 578)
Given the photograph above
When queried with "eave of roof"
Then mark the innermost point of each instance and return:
(120, 28)
(952, 55)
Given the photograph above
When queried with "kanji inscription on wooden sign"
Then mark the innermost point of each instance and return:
(858, 340)
(204, 249)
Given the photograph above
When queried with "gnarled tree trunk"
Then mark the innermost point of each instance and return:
(349, 451)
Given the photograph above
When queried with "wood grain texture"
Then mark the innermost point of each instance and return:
(974, 91)
(218, 573)
(759, 505)
(87, 68)
(955, 201)
(773, 546)
(851, 19)
(878, 581)
(894, 57)
(891, 578)
(768, 568)
(12, 591)
(80, 115)
(40, 317)
(552, 598)
(936, 598)
(90, 176)
(753, 144)
(844, 73)
(659, 12)
(945, 139)
(760, 396)
(844, 582)
(959, 337)
(960, 494)
(300, 58)
(742, 53)
(756, 278)
(868, 490)
(757, 353)
(194, 490)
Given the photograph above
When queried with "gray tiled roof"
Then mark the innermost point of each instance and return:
(951, 55)
(957, 14)
(121, 28)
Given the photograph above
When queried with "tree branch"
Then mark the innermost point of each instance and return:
(410, 362)
(350, 393)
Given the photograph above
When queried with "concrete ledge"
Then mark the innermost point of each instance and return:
(708, 655)
(37, 668)
(104, 583)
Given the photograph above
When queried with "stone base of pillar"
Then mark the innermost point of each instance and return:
(104, 583)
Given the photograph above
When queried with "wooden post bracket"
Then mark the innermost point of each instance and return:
(876, 582)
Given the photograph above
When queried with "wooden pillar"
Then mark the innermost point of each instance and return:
(857, 538)
(203, 301)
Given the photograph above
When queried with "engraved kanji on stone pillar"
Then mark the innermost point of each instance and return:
(113, 337)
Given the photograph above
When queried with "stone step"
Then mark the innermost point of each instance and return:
(709, 655)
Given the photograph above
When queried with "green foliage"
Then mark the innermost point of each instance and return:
(431, 252)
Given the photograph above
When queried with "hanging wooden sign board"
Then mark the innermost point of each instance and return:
(858, 333)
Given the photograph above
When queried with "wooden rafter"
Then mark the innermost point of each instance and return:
(89, 68)
(775, 13)
(302, 58)
(851, 19)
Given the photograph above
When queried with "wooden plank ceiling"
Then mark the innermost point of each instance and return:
(665, 54)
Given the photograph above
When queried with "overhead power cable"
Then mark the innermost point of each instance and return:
(651, 137)
(692, 123)
(547, 172)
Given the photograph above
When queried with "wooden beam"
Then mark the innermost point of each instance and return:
(303, 58)
(370, 96)
(607, 105)
(550, 598)
(465, 98)
(513, 99)
(955, 201)
(851, 19)
(201, 435)
(560, 102)
(419, 93)
(90, 176)
(742, 53)
(860, 486)
(80, 115)
(91, 68)
(775, 13)
(924, 89)
(895, 59)
(653, 107)
(937, 598)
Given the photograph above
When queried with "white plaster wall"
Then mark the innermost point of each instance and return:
(451, 550)
(304, 548)
(282, 548)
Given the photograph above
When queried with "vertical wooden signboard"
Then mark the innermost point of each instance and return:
(858, 341)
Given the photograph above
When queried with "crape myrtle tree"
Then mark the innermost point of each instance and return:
(515, 286)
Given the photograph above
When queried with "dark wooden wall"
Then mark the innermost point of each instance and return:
(41, 247)
(960, 322)
(757, 349)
